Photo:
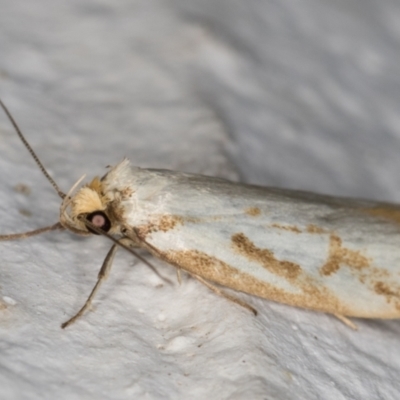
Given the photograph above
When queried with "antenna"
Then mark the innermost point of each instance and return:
(32, 153)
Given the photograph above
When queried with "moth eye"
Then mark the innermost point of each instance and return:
(100, 220)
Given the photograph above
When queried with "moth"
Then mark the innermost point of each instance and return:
(335, 255)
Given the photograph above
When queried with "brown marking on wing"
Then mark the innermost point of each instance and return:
(378, 280)
(391, 294)
(126, 193)
(164, 223)
(215, 270)
(339, 255)
(291, 228)
(315, 229)
(388, 212)
(253, 211)
(265, 257)
(305, 292)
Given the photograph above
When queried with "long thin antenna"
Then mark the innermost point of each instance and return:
(24, 235)
(32, 153)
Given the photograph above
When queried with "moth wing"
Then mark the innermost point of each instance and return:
(329, 254)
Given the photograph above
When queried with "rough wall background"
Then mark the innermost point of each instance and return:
(302, 95)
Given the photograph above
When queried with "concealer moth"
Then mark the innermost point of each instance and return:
(329, 254)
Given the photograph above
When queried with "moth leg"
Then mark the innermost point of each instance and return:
(347, 321)
(220, 292)
(102, 275)
(179, 275)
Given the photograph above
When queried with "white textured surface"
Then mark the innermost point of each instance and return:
(295, 94)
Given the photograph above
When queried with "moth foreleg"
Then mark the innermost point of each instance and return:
(347, 321)
(179, 275)
(102, 275)
(220, 292)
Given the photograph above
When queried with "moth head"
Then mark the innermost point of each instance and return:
(91, 209)
(90, 204)
(101, 203)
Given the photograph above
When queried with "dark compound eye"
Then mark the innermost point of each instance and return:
(100, 220)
